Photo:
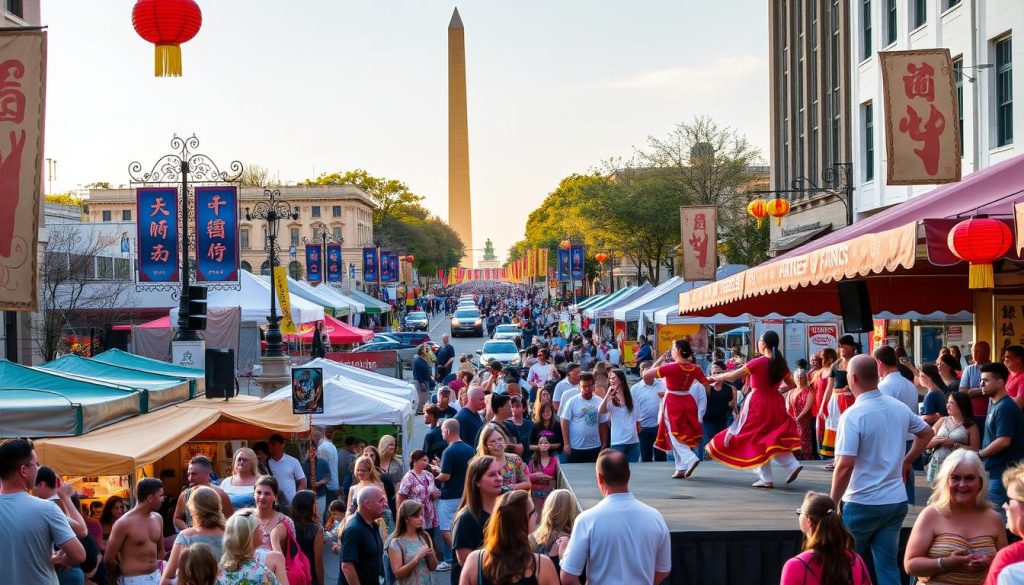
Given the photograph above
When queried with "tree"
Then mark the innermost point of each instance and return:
(73, 294)
(254, 175)
(746, 243)
(98, 185)
(391, 196)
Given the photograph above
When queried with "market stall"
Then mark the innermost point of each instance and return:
(339, 332)
(131, 361)
(387, 384)
(162, 390)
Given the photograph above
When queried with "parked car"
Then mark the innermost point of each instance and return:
(504, 351)
(383, 338)
(410, 337)
(507, 332)
(467, 321)
(406, 352)
(417, 321)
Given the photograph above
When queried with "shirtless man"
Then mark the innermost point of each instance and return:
(198, 474)
(136, 544)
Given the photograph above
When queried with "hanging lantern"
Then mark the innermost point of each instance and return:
(980, 241)
(777, 208)
(410, 258)
(601, 257)
(565, 245)
(756, 208)
(167, 24)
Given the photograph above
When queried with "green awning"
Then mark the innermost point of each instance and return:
(373, 306)
(589, 301)
(162, 390)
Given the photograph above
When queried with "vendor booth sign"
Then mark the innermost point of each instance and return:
(695, 334)
(382, 362)
(307, 390)
(820, 337)
(922, 141)
(1009, 321)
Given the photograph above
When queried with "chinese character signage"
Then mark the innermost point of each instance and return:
(334, 263)
(157, 210)
(922, 139)
(388, 266)
(576, 256)
(314, 256)
(1009, 321)
(563, 264)
(22, 108)
(697, 229)
(216, 234)
(369, 265)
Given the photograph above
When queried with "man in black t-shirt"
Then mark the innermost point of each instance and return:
(361, 547)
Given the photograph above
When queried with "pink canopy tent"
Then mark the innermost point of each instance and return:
(339, 332)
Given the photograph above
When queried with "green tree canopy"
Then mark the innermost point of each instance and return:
(391, 196)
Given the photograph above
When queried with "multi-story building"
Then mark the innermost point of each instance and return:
(810, 112)
(345, 211)
(980, 37)
(20, 13)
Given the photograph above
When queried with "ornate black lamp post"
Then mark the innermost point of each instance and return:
(322, 235)
(273, 210)
(836, 180)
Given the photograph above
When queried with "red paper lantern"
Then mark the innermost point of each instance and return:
(980, 241)
(756, 208)
(601, 257)
(565, 245)
(167, 24)
(777, 208)
(410, 259)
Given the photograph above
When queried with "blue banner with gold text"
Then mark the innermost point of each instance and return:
(157, 210)
(216, 234)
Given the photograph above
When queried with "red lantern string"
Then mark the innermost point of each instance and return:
(980, 241)
(167, 24)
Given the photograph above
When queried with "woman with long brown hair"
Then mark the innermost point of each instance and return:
(507, 558)
(482, 488)
(409, 549)
(830, 556)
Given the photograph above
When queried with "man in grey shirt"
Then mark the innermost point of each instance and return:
(30, 528)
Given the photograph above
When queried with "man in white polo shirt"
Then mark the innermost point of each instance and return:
(872, 463)
(894, 384)
(636, 550)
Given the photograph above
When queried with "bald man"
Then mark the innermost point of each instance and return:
(872, 464)
(361, 545)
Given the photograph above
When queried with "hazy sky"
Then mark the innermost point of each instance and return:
(554, 87)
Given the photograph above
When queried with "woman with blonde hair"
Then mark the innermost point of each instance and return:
(830, 556)
(239, 487)
(390, 464)
(409, 549)
(242, 562)
(198, 566)
(956, 536)
(557, 518)
(507, 557)
(513, 471)
(207, 529)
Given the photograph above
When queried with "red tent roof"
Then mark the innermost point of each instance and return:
(161, 323)
(338, 331)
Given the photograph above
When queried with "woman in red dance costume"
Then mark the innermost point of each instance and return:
(763, 431)
(679, 427)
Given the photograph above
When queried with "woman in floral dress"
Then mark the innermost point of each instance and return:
(418, 484)
(514, 471)
(799, 405)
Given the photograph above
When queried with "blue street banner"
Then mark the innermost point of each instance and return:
(576, 257)
(369, 265)
(388, 269)
(216, 234)
(563, 265)
(314, 256)
(334, 267)
(157, 210)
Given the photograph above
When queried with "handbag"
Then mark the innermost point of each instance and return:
(296, 563)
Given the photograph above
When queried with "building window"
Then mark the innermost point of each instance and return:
(951, 3)
(104, 268)
(867, 112)
(15, 7)
(865, 37)
(958, 78)
(920, 12)
(314, 211)
(122, 268)
(265, 268)
(1004, 93)
(890, 22)
(106, 215)
(336, 233)
(336, 211)
(295, 236)
(835, 54)
(126, 215)
(245, 266)
(244, 239)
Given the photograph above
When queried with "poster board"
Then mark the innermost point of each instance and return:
(307, 391)
(821, 336)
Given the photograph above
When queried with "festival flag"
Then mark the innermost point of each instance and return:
(313, 252)
(335, 266)
(157, 210)
(542, 263)
(216, 233)
(529, 262)
(369, 265)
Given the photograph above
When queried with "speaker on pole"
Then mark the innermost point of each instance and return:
(855, 305)
(220, 373)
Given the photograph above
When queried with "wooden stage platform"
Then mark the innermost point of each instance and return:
(723, 530)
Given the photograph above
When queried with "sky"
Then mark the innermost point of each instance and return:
(554, 88)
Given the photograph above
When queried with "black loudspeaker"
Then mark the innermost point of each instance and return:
(220, 373)
(197, 308)
(855, 304)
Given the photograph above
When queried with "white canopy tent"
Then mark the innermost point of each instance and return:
(667, 293)
(380, 382)
(607, 310)
(321, 295)
(253, 298)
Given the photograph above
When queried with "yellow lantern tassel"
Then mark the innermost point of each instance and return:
(778, 221)
(167, 61)
(759, 223)
(980, 276)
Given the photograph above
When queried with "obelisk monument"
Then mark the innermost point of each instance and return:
(460, 213)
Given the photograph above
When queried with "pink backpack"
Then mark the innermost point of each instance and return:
(295, 562)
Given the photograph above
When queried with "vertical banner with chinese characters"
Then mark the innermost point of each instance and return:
(577, 262)
(387, 273)
(334, 264)
(698, 227)
(216, 234)
(1009, 321)
(922, 141)
(22, 109)
(157, 210)
(314, 256)
(369, 265)
(563, 264)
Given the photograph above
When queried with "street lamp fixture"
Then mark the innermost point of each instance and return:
(273, 210)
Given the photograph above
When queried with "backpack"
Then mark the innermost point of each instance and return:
(295, 562)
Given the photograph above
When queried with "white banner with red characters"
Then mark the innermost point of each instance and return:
(22, 112)
(922, 140)
(820, 337)
(697, 232)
